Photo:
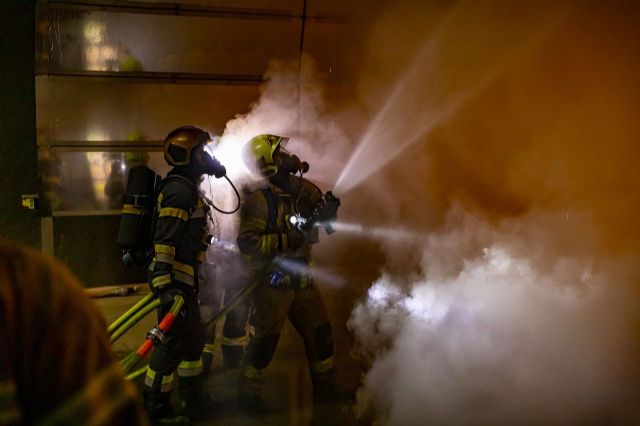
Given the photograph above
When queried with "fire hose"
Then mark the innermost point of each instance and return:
(132, 317)
(157, 334)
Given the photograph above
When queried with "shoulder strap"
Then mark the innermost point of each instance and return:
(272, 211)
(171, 178)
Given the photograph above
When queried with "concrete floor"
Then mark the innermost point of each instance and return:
(287, 388)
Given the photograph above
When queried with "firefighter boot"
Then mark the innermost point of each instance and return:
(249, 390)
(332, 403)
(160, 410)
(196, 403)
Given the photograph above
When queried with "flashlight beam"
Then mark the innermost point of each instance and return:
(288, 265)
(298, 268)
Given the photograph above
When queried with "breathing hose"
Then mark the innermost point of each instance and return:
(213, 206)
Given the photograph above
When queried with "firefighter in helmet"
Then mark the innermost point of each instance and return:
(279, 254)
(179, 246)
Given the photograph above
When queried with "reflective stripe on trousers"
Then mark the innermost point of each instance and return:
(190, 368)
(166, 384)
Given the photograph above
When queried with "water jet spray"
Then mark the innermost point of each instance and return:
(389, 234)
(434, 87)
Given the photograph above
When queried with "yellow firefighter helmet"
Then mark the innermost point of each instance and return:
(259, 153)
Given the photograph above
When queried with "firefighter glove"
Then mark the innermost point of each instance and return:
(168, 294)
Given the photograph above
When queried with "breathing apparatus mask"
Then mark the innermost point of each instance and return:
(267, 154)
(205, 163)
(290, 163)
(324, 212)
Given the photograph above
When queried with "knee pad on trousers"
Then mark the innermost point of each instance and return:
(265, 348)
(324, 341)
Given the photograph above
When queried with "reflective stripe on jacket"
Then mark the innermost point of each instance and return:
(180, 233)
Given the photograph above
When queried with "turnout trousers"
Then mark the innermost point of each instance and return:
(181, 350)
(306, 311)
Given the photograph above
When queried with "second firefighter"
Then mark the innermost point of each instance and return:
(278, 251)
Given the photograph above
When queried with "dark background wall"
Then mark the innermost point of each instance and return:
(85, 244)
(18, 163)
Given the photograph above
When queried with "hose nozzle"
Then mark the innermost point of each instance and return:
(325, 212)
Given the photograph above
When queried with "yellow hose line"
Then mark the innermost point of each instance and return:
(232, 304)
(134, 320)
(139, 372)
(130, 312)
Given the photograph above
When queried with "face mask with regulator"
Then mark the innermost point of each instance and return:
(326, 209)
(207, 164)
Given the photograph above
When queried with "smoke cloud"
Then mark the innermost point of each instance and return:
(520, 305)
(502, 137)
(500, 337)
(292, 103)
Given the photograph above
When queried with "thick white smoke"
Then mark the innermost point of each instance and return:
(520, 306)
(291, 104)
(496, 338)
(516, 300)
